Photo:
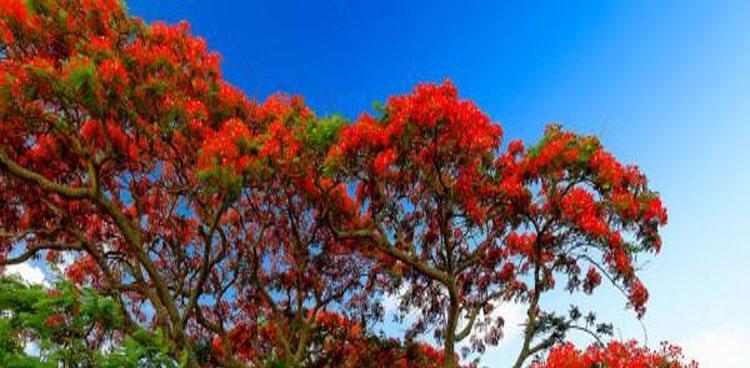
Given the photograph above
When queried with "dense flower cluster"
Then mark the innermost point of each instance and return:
(224, 149)
(430, 134)
(614, 355)
(584, 197)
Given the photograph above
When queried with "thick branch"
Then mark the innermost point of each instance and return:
(384, 246)
(47, 185)
(33, 250)
(205, 265)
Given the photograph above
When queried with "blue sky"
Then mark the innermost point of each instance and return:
(665, 85)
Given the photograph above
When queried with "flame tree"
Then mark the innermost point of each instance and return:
(468, 226)
(102, 118)
(246, 233)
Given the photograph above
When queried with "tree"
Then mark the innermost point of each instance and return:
(422, 175)
(71, 326)
(581, 208)
(102, 117)
(290, 267)
(228, 232)
(469, 228)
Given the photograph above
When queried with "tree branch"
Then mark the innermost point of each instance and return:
(47, 185)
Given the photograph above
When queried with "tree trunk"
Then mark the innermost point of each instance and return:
(450, 329)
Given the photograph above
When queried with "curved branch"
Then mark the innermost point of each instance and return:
(47, 185)
(384, 246)
(32, 251)
(205, 264)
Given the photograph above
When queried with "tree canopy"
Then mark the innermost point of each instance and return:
(194, 226)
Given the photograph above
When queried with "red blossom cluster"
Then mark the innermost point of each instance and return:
(224, 148)
(421, 130)
(614, 355)
(584, 197)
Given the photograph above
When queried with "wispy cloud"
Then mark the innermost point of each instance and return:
(26, 271)
(720, 348)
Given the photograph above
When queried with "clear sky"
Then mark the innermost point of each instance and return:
(664, 84)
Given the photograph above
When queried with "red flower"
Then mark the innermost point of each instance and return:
(638, 296)
(614, 355)
(593, 279)
(223, 149)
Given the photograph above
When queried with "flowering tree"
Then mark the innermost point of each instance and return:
(290, 268)
(238, 233)
(423, 179)
(469, 227)
(101, 118)
(581, 209)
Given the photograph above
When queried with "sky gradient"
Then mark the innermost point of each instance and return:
(665, 85)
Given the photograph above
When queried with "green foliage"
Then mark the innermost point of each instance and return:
(142, 349)
(322, 133)
(585, 146)
(221, 180)
(40, 7)
(82, 75)
(275, 363)
(80, 82)
(57, 322)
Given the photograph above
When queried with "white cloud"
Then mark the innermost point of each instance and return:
(391, 304)
(391, 301)
(719, 349)
(513, 315)
(67, 260)
(31, 348)
(27, 272)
